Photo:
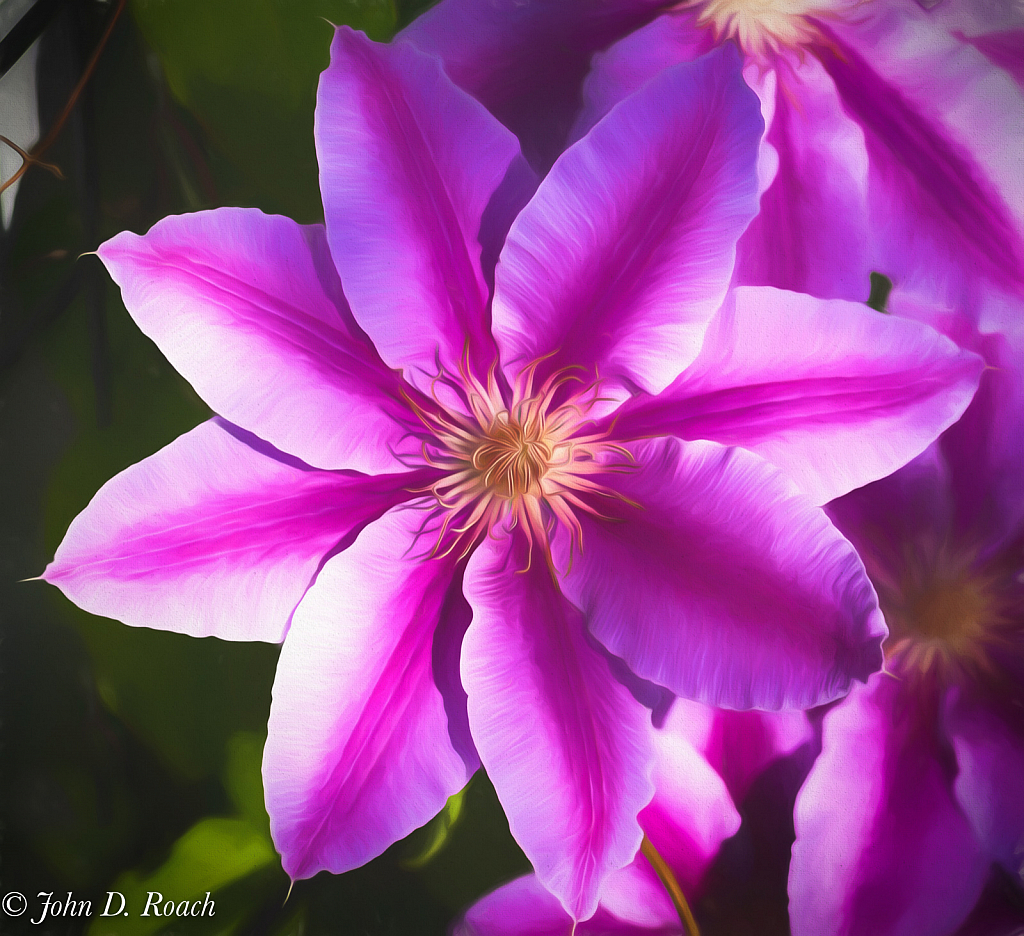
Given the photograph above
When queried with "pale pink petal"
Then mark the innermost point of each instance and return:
(212, 536)
(358, 752)
(832, 392)
(725, 585)
(566, 746)
(249, 309)
(881, 844)
(626, 250)
(408, 163)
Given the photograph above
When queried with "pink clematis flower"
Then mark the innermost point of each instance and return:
(893, 126)
(705, 762)
(919, 787)
(420, 481)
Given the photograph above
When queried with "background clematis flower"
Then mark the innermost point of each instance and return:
(705, 761)
(918, 788)
(416, 481)
(894, 125)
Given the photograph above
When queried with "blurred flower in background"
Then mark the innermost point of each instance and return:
(916, 799)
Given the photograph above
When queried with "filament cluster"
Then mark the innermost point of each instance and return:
(517, 457)
(762, 26)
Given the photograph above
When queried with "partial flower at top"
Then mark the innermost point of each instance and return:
(893, 126)
(919, 788)
(761, 27)
(425, 485)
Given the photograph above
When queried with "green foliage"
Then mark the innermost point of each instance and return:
(438, 830)
(248, 71)
(212, 855)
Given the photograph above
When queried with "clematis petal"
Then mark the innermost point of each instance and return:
(635, 896)
(212, 536)
(834, 393)
(989, 785)
(687, 820)
(913, 505)
(249, 309)
(1004, 50)
(738, 745)
(524, 907)
(821, 185)
(525, 61)
(726, 585)
(566, 746)
(821, 180)
(408, 163)
(630, 63)
(984, 450)
(881, 845)
(358, 752)
(625, 252)
(691, 813)
(944, 153)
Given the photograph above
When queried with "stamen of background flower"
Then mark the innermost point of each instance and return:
(763, 26)
(668, 879)
(947, 613)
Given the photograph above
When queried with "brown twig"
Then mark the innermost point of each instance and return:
(28, 159)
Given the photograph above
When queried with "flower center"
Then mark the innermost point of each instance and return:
(762, 25)
(512, 459)
(524, 462)
(947, 618)
(954, 612)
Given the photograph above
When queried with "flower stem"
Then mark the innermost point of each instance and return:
(667, 878)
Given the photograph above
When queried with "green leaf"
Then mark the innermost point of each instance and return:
(248, 71)
(212, 854)
(243, 777)
(438, 830)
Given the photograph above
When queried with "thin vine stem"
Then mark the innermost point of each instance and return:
(33, 157)
(668, 879)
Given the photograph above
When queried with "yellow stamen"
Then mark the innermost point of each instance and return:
(764, 26)
(521, 462)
